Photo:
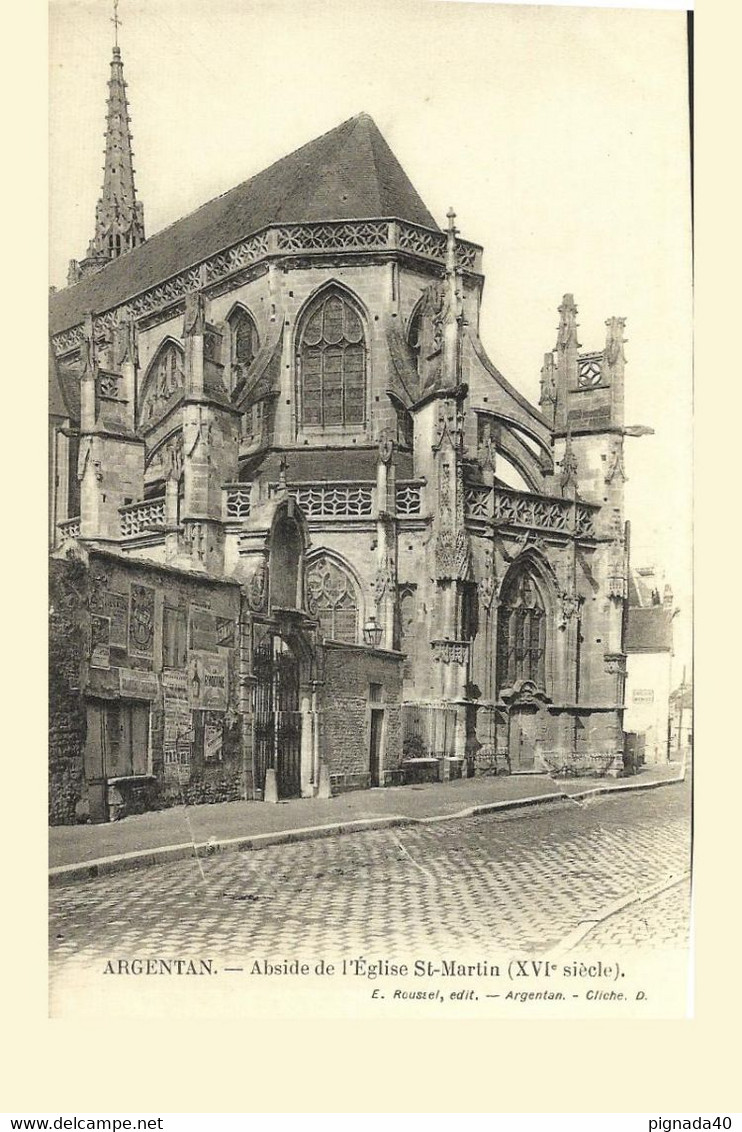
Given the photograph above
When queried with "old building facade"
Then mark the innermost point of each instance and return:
(283, 398)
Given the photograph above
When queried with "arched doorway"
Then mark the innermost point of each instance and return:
(277, 714)
(522, 654)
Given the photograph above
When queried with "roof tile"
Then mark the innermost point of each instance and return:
(349, 173)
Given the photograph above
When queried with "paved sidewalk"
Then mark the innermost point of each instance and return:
(145, 839)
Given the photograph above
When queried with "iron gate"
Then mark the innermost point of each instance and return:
(277, 727)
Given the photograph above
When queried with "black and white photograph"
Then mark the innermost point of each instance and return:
(370, 510)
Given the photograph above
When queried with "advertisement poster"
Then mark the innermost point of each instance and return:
(141, 621)
(225, 632)
(100, 641)
(203, 629)
(115, 607)
(213, 738)
(176, 705)
(138, 684)
(207, 680)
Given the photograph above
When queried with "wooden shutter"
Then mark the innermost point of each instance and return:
(93, 754)
(174, 638)
(139, 732)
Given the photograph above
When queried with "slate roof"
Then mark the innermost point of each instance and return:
(648, 629)
(323, 464)
(349, 173)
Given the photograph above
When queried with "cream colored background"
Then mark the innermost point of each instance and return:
(301, 1064)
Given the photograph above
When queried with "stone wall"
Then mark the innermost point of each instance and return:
(110, 656)
(346, 708)
(67, 790)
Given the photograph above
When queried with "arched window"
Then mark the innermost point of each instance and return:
(332, 361)
(243, 336)
(169, 370)
(332, 599)
(521, 632)
(285, 560)
(165, 377)
(414, 327)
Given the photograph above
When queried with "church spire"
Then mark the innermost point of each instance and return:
(119, 217)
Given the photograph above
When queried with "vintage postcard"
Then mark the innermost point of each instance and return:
(370, 339)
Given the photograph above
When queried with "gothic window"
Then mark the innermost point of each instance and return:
(521, 632)
(243, 342)
(413, 333)
(332, 599)
(332, 360)
(164, 378)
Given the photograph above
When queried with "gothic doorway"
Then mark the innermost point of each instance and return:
(277, 727)
(523, 724)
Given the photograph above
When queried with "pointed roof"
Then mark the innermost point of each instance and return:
(349, 173)
(119, 217)
(117, 212)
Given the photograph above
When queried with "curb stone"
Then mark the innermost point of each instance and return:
(587, 926)
(145, 858)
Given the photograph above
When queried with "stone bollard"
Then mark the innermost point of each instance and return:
(270, 790)
(323, 790)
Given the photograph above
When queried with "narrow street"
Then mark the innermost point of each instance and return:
(498, 883)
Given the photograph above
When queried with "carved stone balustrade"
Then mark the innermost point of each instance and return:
(409, 499)
(544, 512)
(477, 500)
(140, 518)
(109, 386)
(585, 521)
(237, 501)
(350, 499)
(347, 236)
(69, 528)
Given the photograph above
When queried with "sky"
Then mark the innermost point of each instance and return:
(559, 136)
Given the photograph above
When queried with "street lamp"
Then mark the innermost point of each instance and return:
(372, 632)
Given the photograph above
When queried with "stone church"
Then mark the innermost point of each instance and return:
(305, 536)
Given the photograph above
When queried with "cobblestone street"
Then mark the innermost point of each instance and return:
(514, 881)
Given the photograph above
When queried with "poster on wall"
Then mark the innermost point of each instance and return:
(225, 632)
(137, 684)
(203, 629)
(115, 607)
(177, 711)
(141, 621)
(207, 681)
(177, 762)
(100, 641)
(213, 738)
